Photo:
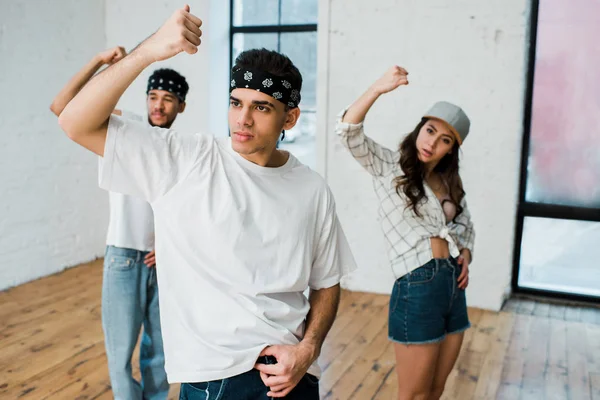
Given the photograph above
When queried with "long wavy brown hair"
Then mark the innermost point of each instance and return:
(412, 182)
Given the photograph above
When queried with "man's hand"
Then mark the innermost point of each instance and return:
(150, 259)
(113, 55)
(78, 81)
(85, 118)
(392, 79)
(464, 260)
(181, 32)
(292, 364)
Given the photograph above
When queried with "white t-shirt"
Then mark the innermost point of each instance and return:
(131, 223)
(237, 245)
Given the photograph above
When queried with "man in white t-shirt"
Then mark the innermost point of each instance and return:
(129, 284)
(242, 228)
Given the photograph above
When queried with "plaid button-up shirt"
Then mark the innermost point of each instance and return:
(407, 235)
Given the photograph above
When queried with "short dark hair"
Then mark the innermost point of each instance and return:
(170, 75)
(272, 62)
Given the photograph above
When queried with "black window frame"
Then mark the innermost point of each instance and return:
(532, 209)
(279, 29)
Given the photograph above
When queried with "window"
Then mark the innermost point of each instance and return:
(289, 27)
(559, 255)
(559, 210)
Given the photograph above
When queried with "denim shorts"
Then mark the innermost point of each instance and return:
(426, 304)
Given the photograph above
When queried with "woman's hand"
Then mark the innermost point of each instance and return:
(391, 80)
(394, 77)
(464, 260)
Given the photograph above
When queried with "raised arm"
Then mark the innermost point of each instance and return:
(392, 79)
(70, 90)
(376, 159)
(85, 118)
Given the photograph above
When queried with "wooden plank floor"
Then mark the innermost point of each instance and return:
(51, 347)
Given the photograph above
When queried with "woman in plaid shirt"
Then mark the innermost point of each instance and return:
(429, 233)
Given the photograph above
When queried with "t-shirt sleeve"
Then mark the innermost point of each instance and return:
(132, 116)
(145, 161)
(333, 258)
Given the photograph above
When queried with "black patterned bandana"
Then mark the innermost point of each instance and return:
(162, 79)
(276, 87)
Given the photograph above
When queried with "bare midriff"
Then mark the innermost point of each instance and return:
(439, 248)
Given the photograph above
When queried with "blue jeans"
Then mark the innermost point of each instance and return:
(130, 299)
(426, 304)
(246, 386)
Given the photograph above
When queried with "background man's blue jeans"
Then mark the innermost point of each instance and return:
(130, 300)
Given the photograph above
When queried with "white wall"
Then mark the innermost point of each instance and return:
(52, 214)
(469, 52)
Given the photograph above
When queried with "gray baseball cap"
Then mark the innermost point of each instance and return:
(453, 116)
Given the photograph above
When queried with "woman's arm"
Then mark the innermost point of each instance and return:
(376, 159)
(391, 80)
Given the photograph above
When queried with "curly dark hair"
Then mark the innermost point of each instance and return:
(272, 62)
(411, 183)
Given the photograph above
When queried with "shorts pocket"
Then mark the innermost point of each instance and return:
(421, 275)
(398, 290)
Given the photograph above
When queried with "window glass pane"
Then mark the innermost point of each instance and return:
(564, 160)
(299, 11)
(255, 12)
(560, 255)
(246, 41)
(301, 48)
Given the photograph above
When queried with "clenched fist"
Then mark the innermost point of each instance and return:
(392, 79)
(181, 32)
(113, 55)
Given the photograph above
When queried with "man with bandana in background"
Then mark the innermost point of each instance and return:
(129, 285)
(242, 228)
